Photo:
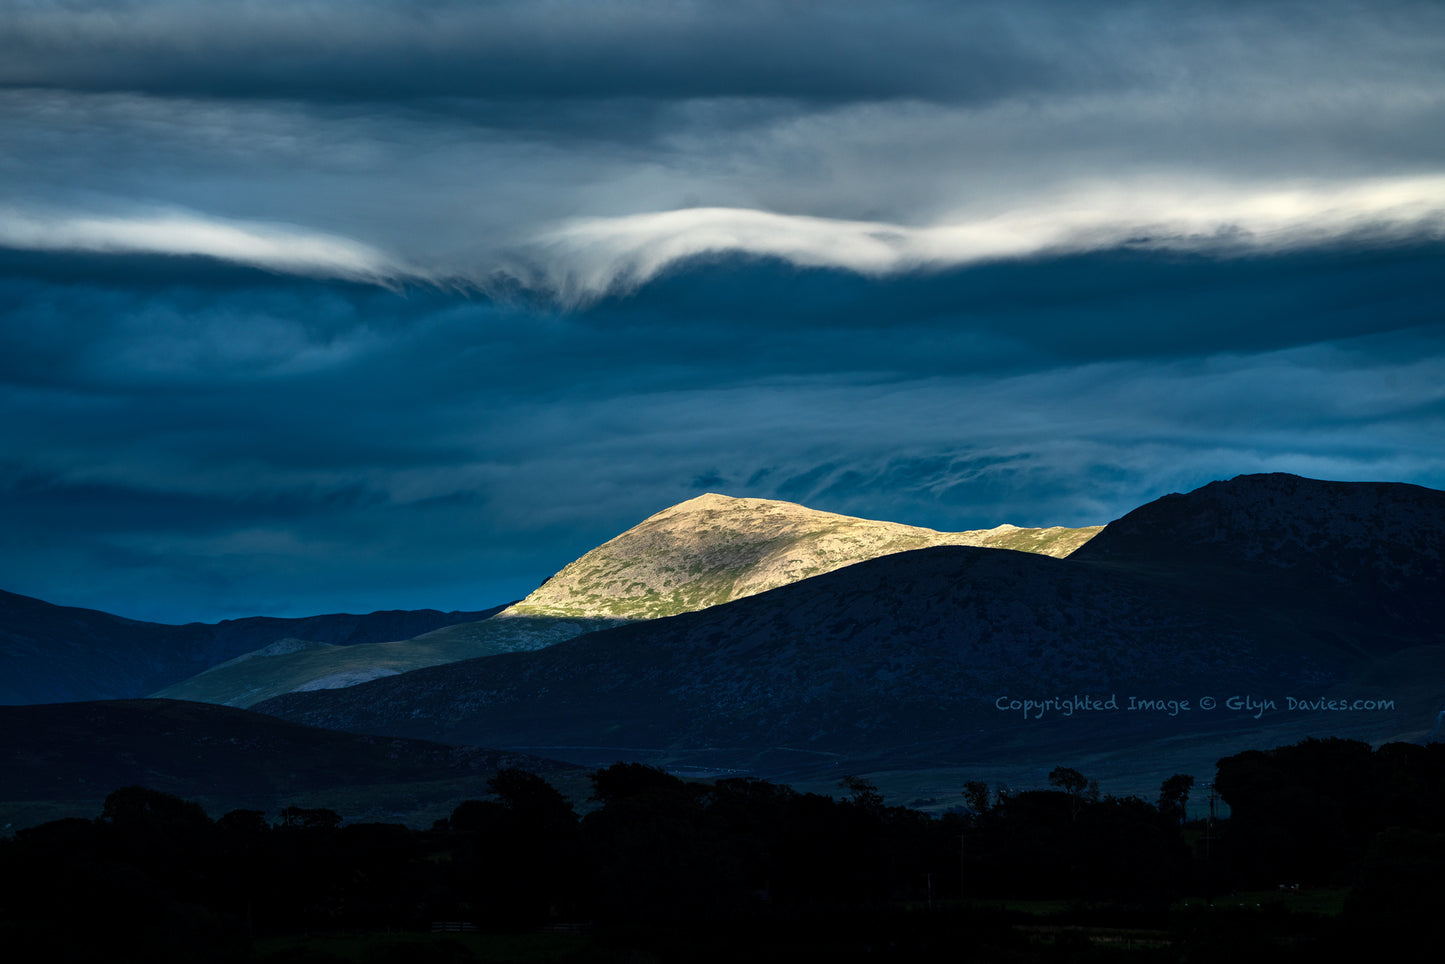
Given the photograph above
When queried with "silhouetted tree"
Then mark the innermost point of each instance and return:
(306, 818)
(1068, 780)
(1079, 788)
(142, 806)
(1399, 886)
(1173, 795)
(1305, 811)
(623, 780)
(864, 795)
(471, 816)
(975, 796)
(243, 823)
(525, 860)
(533, 800)
(657, 854)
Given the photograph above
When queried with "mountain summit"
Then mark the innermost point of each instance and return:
(1390, 531)
(1305, 597)
(697, 554)
(714, 549)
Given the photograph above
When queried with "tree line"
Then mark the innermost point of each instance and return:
(156, 874)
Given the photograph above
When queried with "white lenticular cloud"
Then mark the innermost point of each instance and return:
(273, 247)
(588, 257)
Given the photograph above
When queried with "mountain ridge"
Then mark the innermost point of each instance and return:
(903, 656)
(702, 552)
(261, 674)
(714, 548)
(56, 654)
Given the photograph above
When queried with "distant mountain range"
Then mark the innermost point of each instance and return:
(294, 665)
(703, 552)
(54, 654)
(754, 637)
(1264, 588)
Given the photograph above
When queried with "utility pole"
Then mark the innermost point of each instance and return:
(962, 864)
(1209, 826)
(1209, 842)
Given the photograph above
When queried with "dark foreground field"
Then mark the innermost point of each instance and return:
(1330, 848)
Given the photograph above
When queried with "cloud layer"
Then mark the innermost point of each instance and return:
(557, 144)
(272, 247)
(600, 254)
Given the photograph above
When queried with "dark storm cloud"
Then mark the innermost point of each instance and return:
(1036, 313)
(403, 49)
(527, 50)
(211, 444)
(582, 148)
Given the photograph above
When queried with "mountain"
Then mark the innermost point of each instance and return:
(294, 666)
(1263, 588)
(1342, 530)
(1362, 562)
(700, 553)
(55, 654)
(63, 759)
(714, 549)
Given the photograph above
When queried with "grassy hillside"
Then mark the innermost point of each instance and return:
(58, 654)
(297, 665)
(714, 549)
(700, 553)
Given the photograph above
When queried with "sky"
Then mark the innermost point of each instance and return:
(347, 305)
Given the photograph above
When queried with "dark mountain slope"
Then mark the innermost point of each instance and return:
(54, 654)
(901, 660)
(1343, 530)
(902, 657)
(341, 629)
(1362, 563)
(62, 759)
